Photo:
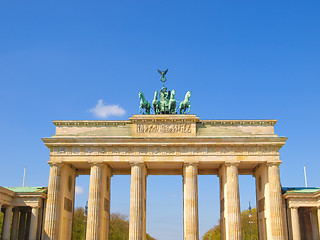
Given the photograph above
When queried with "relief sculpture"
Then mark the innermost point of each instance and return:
(164, 128)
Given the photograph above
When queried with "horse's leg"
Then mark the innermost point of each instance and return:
(189, 108)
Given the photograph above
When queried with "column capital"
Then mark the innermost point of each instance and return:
(273, 163)
(293, 207)
(95, 163)
(57, 164)
(137, 163)
(232, 163)
(195, 163)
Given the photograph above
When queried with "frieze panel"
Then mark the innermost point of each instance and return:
(164, 128)
(167, 150)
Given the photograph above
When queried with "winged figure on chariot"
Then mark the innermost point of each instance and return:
(165, 103)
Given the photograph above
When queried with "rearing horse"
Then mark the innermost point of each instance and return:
(156, 103)
(172, 103)
(144, 103)
(185, 103)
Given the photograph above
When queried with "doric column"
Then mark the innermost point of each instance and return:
(94, 202)
(295, 223)
(314, 223)
(137, 202)
(275, 202)
(33, 224)
(28, 223)
(6, 223)
(318, 211)
(53, 203)
(232, 202)
(190, 202)
(15, 222)
(22, 224)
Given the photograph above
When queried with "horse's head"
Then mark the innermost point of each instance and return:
(140, 95)
(173, 94)
(156, 95)
(188, 95)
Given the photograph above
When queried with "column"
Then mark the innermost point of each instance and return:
(314, 223)
(190, 202)
(232, 202)
(22, 224)
(6, 223)
(94, 203)
(275, 202)
(15, 222)
(53, 203)
(137, 202)
(295, 225)
(318, 210)
(28, 223)
(33, 224)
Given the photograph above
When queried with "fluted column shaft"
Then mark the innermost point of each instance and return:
(137, 199)
(33, 224)
(295, 224)
(15, 222)
(232, 202)
(318, 211)
(6, 223)
(190, 202)
(22, 224)
(275, 202)
(94, 203)
(53, 203)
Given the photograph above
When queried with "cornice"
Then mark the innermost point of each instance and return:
(177, 141)
(295, 195)
(88, 123)
(239, 122)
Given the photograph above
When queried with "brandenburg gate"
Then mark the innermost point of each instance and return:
(164, 144)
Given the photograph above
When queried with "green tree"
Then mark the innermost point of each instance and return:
(119, 226)
(78, 224)
(215, 233)
(1, 221)
(212, 234)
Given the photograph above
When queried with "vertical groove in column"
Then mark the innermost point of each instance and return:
(136, 203)
(190, 202)
(275, 200)
(233, 202)
(51, 224)
(94, 203)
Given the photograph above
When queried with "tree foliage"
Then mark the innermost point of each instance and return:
(1, 221)
(215, 233)
(78, 224)
(119, 226)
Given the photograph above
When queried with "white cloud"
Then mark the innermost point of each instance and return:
(105, 111)
(78, 190)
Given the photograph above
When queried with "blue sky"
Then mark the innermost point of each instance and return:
(241, 60)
